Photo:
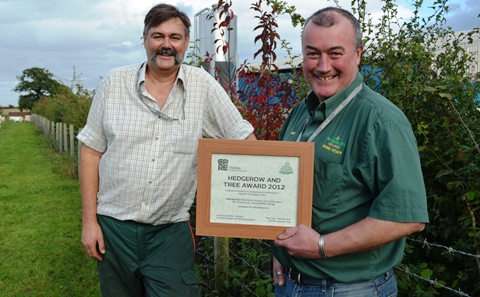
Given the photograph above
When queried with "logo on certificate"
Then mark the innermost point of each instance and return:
(223, 164)
(286, 169)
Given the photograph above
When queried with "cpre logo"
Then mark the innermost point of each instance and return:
(223, 164)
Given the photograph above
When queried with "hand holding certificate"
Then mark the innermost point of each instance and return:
(253, 189)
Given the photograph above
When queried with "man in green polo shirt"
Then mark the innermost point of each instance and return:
(368, 185)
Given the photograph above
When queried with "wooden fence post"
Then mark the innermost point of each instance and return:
(49, 128)
(52, 132)
(59, 138)
(221, 253)
(46, 126)
(72, 141)
(65, 138)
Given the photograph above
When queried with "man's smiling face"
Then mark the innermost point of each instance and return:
(166, 44)
(330, 57)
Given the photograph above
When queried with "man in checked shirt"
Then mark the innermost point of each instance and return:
(138, 164)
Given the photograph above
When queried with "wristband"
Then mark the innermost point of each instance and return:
(321, 246)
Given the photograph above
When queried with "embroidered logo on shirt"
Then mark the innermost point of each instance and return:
(334, 145)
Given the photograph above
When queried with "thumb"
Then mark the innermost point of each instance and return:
(288, 233)
(101, 246)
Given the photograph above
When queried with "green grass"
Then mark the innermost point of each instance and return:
(40, 220)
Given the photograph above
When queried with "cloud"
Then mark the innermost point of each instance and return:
(464, 16)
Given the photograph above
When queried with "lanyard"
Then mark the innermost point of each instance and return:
(155, 111)
(331, 116)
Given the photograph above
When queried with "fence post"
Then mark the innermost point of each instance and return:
(72, 141)
(52, 132)
(47, 124)
(46, 127)
(221, 253)
(59, 137)
(65, 138)
(55, 136)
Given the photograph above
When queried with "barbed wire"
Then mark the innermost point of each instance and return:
(449, 249)
(262, 242)
(432, 282)
(424, 243)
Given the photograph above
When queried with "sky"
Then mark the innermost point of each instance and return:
(89, 38)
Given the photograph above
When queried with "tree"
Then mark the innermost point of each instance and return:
(66, 106)
(267, 96)
(35, 83)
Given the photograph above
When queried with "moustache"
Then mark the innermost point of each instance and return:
(166, 52)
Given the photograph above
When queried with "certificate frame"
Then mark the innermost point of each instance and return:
(207, 148)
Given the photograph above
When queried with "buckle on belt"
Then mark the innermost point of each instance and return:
(299, 276)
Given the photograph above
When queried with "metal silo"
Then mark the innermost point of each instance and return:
(225, 62)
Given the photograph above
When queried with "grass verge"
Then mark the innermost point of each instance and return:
(40, 221)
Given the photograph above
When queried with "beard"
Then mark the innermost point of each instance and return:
(166, 52)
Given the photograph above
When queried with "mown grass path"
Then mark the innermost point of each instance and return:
(40, 221)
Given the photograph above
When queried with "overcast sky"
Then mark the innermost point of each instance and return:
(95, 36)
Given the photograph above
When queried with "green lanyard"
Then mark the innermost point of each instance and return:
(331, 116)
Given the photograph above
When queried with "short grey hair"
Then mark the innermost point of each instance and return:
(326, 17)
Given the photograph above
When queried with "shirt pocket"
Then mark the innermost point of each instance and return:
(327, 171)
(328, 183)
(184, 136)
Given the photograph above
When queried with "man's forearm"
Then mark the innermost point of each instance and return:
(89, 180)
(366, 235)
(304, 242)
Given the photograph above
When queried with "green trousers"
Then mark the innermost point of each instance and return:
(145, 260)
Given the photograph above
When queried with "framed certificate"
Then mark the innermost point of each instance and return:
(253, 189)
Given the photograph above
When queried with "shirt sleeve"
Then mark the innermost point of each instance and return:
(92, 135)
(393, 173)
(222, 118)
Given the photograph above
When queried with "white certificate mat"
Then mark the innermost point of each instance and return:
(253, 189)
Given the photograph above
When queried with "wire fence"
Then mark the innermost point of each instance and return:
(248, 269)
(434, 282)
(449, 249)
(63, 136)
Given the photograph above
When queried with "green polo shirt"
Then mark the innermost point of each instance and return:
(366, 164)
